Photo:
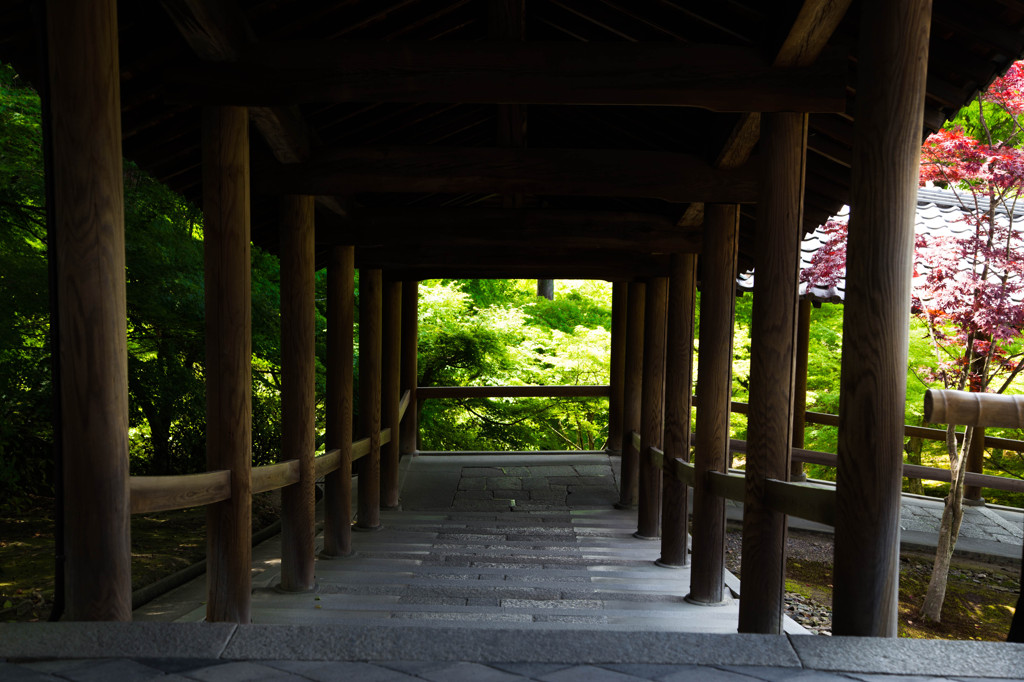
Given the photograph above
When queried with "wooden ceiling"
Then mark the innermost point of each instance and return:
(505, 138)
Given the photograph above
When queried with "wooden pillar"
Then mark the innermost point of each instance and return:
(410, 364)
(228, 359)
(298, 391)
(678, 396)
(629, 484)
(370, 327)
(886, 155)
(85, 108)
(772, 366)
(340, 327)
(652, 408)
(803, 339)
(390, 390)
(714, 399)
(617, 370)
(975, 465)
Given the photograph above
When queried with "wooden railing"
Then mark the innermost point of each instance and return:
(438, 392)
(167, 493)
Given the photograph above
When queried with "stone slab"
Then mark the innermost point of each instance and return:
(940, 658)
(106, 640)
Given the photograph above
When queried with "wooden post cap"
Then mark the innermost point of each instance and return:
(974, 409)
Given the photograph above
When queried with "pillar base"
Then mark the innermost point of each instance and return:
(638, 536)
(661, 564)
(334, 557)
(690, 600)
(980, 502)
(368, 529)
(624, 506)
(280, 589)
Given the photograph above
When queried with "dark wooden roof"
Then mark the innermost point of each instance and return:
(162, 45)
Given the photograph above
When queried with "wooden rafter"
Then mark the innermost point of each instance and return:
(671, 177)
(715, 77)
(217, 31)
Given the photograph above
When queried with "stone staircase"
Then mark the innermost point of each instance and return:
(553, 569)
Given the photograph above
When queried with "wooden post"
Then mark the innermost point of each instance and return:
(803, 339)
(652, 409)
(975, 465)
(340, 326)
(298, 392)
(883, 193)
(617, 371)
(678, 392)
(85, 106)
(629, 481)
(714, 395)
(391, 393)
(410, 367)
(772, 366)
(228, 359)
(370, 313)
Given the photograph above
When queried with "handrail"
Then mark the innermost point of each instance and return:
(273, 476)
(730, 486)
(327, 462)
(166, 493)
(437, 392)
(803, 500)
(403, 404)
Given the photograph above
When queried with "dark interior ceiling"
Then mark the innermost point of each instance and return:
(968, 49)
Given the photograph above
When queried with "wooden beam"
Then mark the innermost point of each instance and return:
(682, 306)
(458, 392)
(714, 391)
(340, 342)
(804, 44)
(371, 292)
(715, 77)
(629, 272)
(629, 485)
(472, 227)
(226, 241)
(876, 316)
(524, 260)
(772, 367)
(574, 172)
(218, 32)
(87, 226)
(298, 392)
(652, 408)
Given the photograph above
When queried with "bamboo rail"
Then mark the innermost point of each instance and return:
(974, 409)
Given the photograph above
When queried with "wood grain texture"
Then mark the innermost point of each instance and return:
(391, 377)
(617, 367)
(275, 476)
(298, 391)
(165, 493)
(714, 391)
(448, 392)
(228, 359)
(652, 407)
(890, 103)
(682, 307)
(340, 329)
(629, 486)
(88, 231)
(773, 332)
(714, 77)
(327, 463)
(410, 429)
(371, 294)
(576, 172)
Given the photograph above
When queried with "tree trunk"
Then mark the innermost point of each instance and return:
(949, 528)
